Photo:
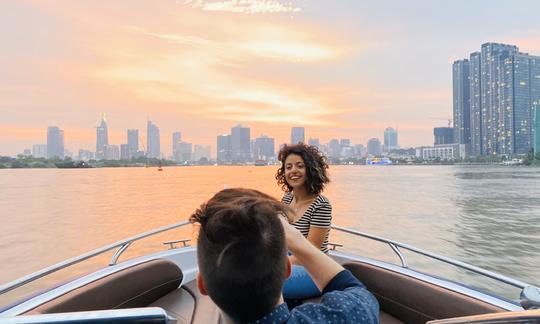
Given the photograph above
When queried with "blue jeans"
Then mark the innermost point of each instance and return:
(300, 285)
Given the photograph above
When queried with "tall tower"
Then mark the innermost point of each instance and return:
(152, 140)
(132, 141)
(493, 56)
(461, 102)
(475, 96)
(55, 142)
(240, 143)
(102, 137)
(298, 135)
(390, 139)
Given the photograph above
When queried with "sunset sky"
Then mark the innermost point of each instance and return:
(342, 69)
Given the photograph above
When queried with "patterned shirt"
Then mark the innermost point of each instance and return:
(318, 214)
(344, 300)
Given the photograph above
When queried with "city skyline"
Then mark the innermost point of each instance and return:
(245, 147)
(323, 65)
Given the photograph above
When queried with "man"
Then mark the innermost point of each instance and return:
(242, 255)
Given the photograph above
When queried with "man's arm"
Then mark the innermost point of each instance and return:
(321, 267)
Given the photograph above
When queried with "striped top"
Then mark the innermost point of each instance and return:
(318, 214)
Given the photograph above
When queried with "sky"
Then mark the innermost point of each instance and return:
(340, 68)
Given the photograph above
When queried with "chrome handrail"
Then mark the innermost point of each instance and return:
(459, 264)
(122, 244)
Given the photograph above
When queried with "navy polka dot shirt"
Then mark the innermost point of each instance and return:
(344, 300)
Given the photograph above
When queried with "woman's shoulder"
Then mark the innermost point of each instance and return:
(287, 198)
(322, 200)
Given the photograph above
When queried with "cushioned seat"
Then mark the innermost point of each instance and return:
(413, 300)
(137, 286)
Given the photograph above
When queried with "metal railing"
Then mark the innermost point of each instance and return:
(397, 245)
(122, 245)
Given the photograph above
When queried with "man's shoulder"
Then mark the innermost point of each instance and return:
(351, 305)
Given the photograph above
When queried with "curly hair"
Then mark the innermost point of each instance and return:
(315, 164)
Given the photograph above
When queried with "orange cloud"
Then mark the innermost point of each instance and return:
(243, 6)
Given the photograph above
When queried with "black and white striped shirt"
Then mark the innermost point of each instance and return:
(318, 214)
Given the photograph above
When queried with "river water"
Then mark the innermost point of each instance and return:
(488, 216)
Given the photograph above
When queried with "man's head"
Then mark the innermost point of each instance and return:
(241, 252)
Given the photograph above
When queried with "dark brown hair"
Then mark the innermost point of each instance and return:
(315, 162)
(241, 252)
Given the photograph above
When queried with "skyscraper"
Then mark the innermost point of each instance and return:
(537, 130)
(504, 89)
(390, 139)
(443, 135)
(297, 135)
(240, 144)
(462, 103)
(335, 148)
(264, 148)
(224, 148)
(102, 137)
(200, 152)
(39, 150)
(475, 97)
(55, 142)
(176, 139)
(374, 146)
(314, 142)
(132, 142)
(152, 140)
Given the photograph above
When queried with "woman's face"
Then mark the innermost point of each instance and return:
(295, 171)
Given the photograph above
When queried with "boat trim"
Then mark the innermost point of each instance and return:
(459, 264)
(61, 265)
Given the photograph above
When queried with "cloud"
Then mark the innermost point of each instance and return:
(244, 6)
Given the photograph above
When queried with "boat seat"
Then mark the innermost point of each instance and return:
(413, 300)
(136, 286)
(188, 305)
(384, 318)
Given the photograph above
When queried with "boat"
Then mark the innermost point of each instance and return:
(160, 288)
(260, 163)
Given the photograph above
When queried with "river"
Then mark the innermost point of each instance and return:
(485, 215)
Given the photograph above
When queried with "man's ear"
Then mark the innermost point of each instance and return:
(289, 268)
(200, 284)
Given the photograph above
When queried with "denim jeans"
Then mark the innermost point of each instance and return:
(300, 285)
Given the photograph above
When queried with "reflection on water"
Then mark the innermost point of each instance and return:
(487, 216)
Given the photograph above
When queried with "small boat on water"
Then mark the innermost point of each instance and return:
(161, 288)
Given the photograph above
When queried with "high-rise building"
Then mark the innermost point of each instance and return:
(133, 142)
(85, 155)
(264, 148)
(462, 102)
(297, 135)
(504, 89)
(55, 142)
(240, 144)
(224, 148)
(475, 97)
(537, 130)
(39, 150)
(176, 139)
(201, 152)
(443, 135)
(334, 148)
(125, 153)
(184, 152)
(102, 137)
(153, 149)
(374, 146)
(390, 139)
(111, 152)
(314, 142)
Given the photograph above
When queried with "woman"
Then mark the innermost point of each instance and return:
(302, 176)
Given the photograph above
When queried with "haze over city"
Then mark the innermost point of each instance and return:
(343, 69)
